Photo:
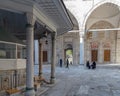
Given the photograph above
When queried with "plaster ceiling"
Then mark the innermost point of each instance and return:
(52, 13)
(56, 12)
(105, 11)
(74, 20)
(51, 10)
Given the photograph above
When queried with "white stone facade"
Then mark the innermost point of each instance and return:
(89, 13)
(101, 41)
(70, 38)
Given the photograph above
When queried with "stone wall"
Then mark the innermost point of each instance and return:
(12, 79)
(101, 41)
(62, 41)
(118, 47)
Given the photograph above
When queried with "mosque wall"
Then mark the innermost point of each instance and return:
(61, 43)
(101, 45)
(118, 47)
(101, 49)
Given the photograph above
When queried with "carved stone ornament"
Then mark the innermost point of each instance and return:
(30, 19)
(5, 83)
(94, 45)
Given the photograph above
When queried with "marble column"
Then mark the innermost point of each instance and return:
(81, 49)
(118, 48)
(100, 54)
(86, 57)
(40, 59)
(53, 37)
(30, 55)
(15, 71)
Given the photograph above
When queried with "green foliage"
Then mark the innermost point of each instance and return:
(69, 52)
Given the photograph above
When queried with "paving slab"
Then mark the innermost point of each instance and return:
(80, 81)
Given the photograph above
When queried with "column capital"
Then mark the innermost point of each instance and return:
(53, 35)
(40, 41)
(31, 18)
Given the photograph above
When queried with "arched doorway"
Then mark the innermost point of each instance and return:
(68, 53)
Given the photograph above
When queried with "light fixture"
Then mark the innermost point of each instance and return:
(46, 42)
(46, 33)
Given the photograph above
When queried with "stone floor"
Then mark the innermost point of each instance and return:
(79, 81)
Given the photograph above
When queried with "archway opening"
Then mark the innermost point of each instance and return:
(69, 53)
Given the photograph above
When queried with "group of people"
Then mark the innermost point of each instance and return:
(67, 63)
(88, 65)
(91, 66)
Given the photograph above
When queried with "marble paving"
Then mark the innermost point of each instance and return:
(80, 81)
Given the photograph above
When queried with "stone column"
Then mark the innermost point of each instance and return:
(52, 80)
(40, 59)
(30, 56)
(16, 51)
(62, 55)
(100, 53)
(16, 71)
(75, 56)
(86, 44)
(49, 51)
(81, 49)
(117, 47)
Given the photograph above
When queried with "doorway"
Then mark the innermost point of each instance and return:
(94, 55)
(69, 55)
(106, 55)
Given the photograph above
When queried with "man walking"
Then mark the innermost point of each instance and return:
(67, 66)
(60, 62)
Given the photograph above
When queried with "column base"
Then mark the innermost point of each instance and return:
(40, 76)
(52, 80)
(30, 92)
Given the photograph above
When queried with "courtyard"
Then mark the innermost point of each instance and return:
(80, 81)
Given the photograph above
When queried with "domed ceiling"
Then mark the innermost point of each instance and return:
(105, 11)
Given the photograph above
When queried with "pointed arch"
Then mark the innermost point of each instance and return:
(95, 7)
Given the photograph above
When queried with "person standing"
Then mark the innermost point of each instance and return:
(88, 65)
(60, 62)
(93, 65)
(67, 63)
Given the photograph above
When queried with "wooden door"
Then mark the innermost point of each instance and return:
(94, 54)
(45, 56)
(106, 55)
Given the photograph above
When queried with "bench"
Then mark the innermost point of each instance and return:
(12, 92)
(36, 83)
